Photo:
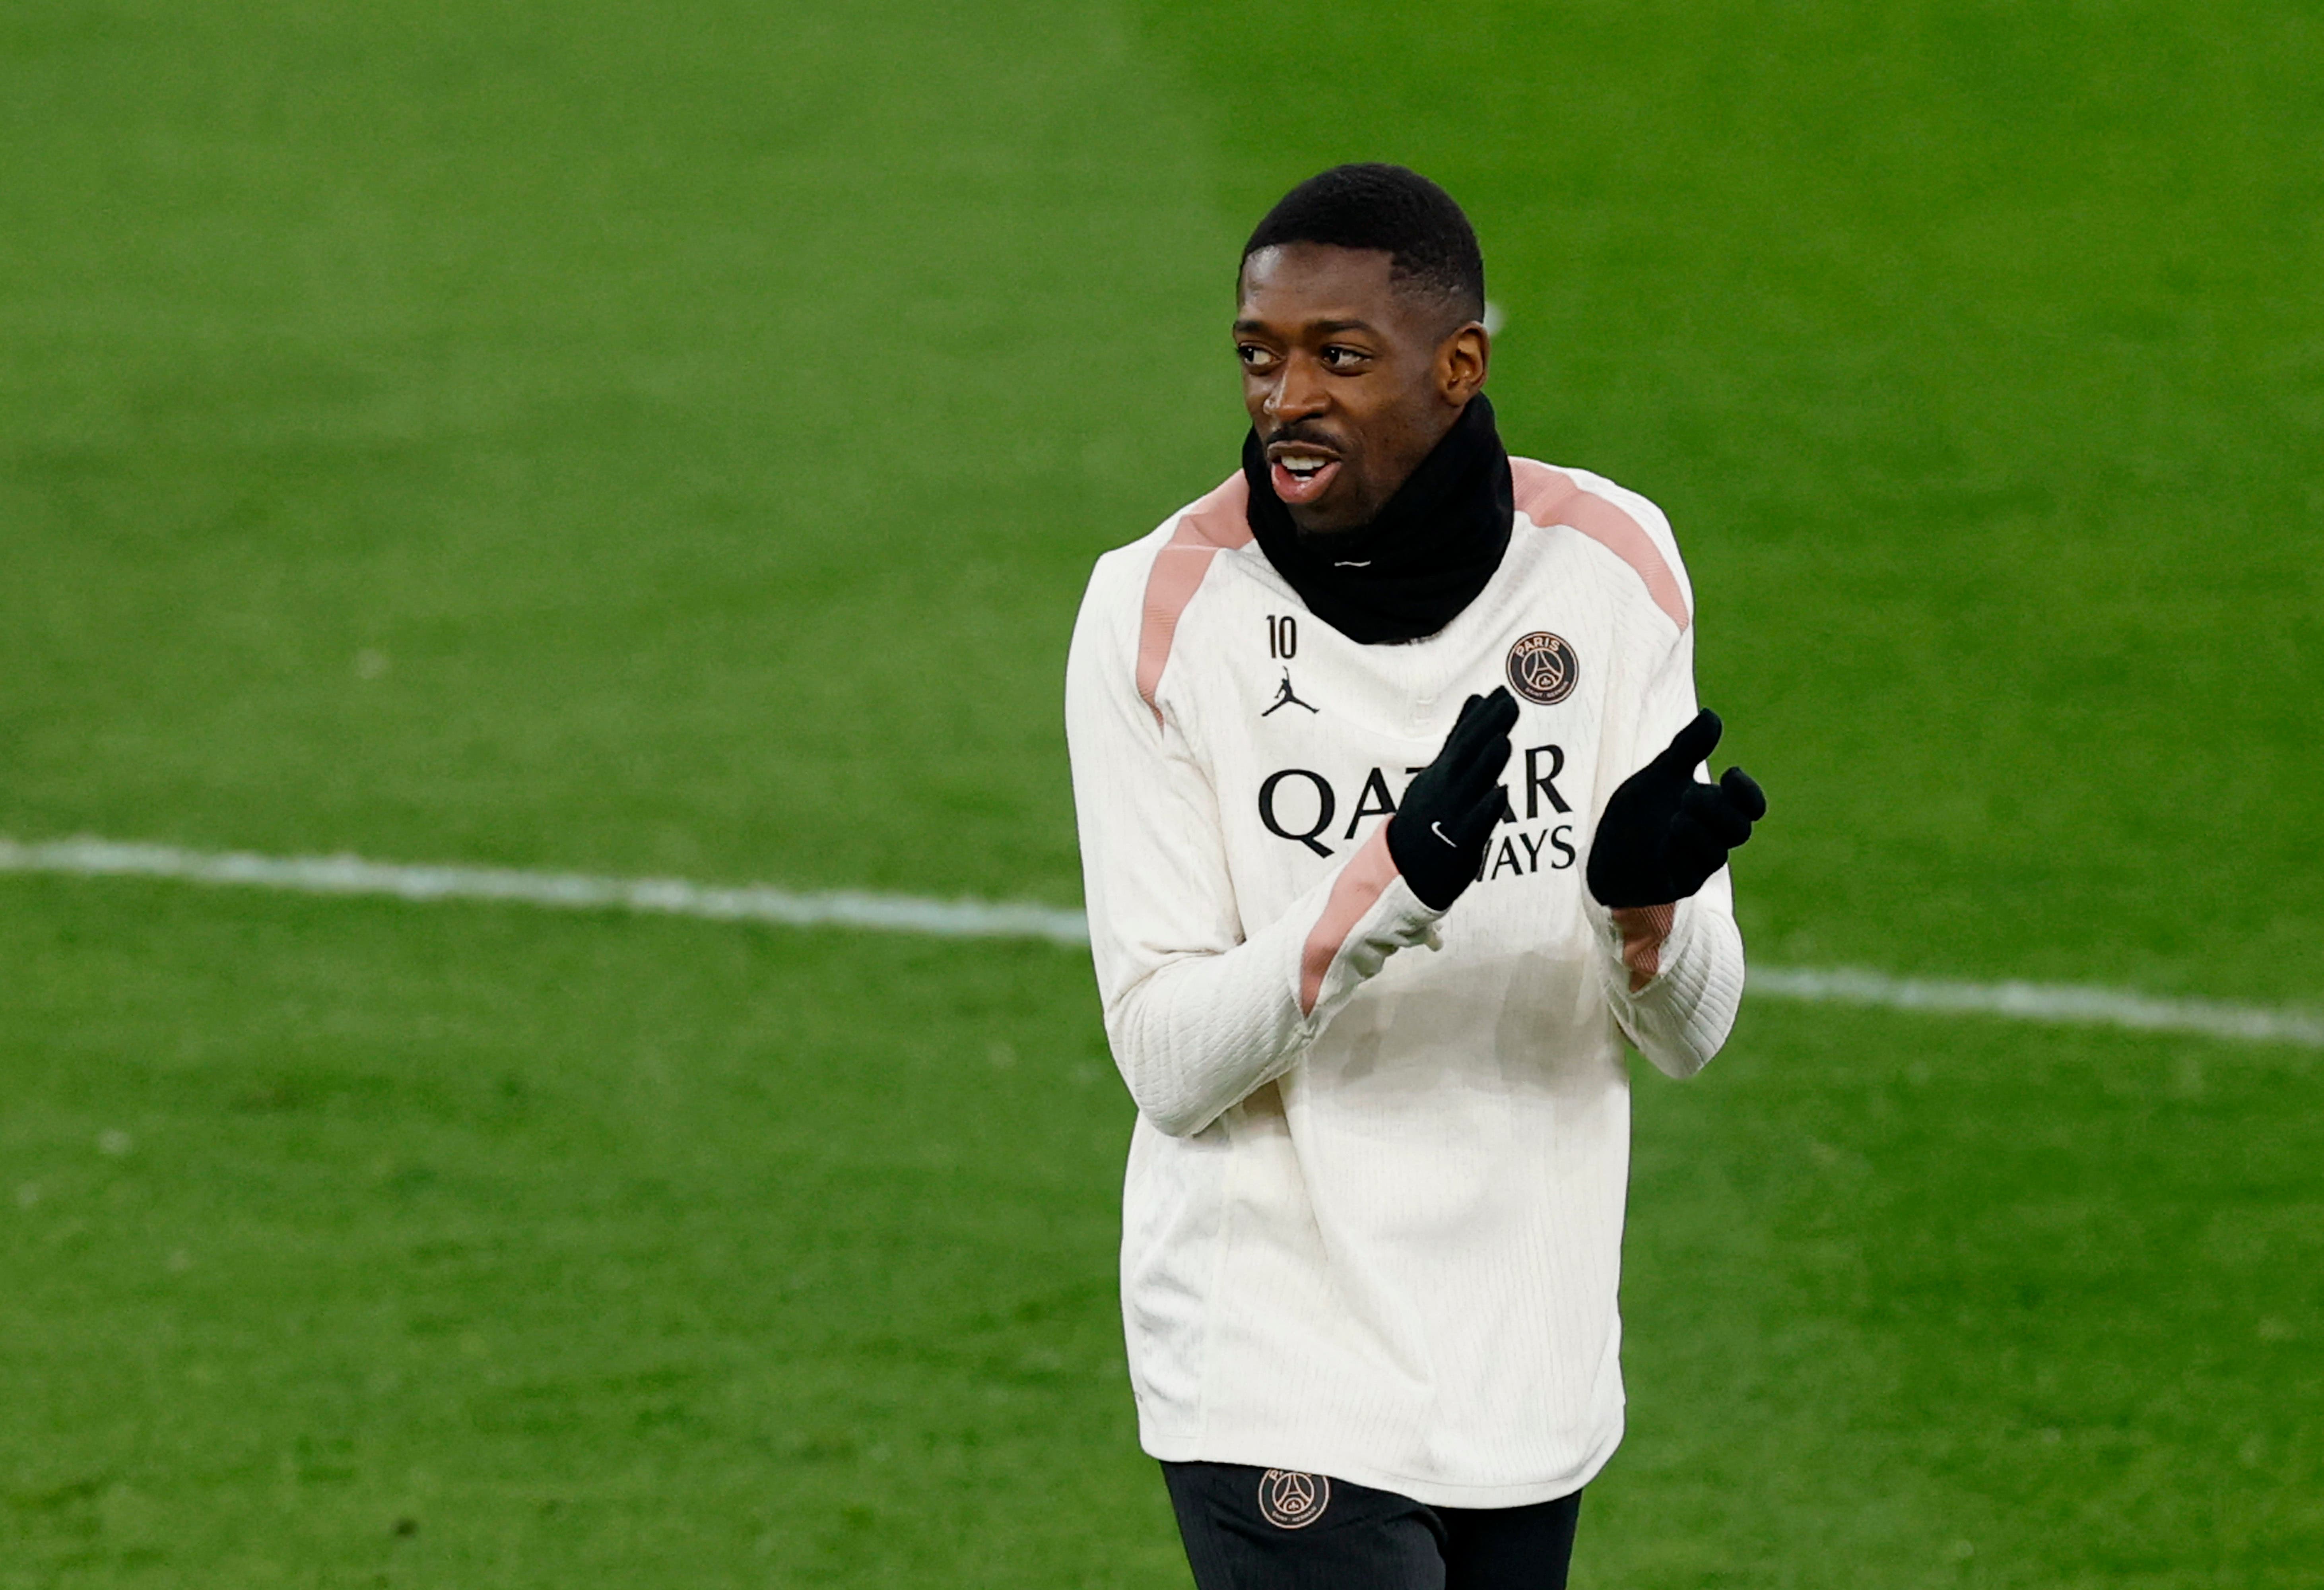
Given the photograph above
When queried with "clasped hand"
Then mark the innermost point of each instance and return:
(1662, 834)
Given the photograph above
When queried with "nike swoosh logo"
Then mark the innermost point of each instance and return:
(1438, 830)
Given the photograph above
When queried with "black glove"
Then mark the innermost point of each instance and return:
(1664, 834)
(1437, 838)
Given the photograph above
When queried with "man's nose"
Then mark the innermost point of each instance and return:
(1299, 395)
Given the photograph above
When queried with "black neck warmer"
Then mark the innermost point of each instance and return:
(1410, 572)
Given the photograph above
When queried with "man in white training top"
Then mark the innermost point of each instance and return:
(1385, 756)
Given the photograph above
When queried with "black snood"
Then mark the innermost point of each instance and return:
(1410, 572)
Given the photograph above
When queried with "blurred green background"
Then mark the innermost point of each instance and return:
(627, 438)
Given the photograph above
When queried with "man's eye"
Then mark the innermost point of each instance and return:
(1339, 358)
(1253, 356)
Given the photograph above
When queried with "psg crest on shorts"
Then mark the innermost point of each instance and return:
(1292, 1500)
(1543, 668)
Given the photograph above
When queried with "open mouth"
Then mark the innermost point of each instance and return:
(1301, 477)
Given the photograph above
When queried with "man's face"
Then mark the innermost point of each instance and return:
(1349, 379)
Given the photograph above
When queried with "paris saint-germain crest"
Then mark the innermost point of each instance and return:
(1543, 668)
(1292, 1500)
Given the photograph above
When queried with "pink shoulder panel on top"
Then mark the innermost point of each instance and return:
(1355, 891)
(1213, 525)
(1551, 497)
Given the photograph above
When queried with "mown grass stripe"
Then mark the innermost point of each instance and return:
(2062, 1004)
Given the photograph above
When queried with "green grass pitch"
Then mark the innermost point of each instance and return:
(671, 439)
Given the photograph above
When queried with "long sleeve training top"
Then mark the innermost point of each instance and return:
(1373, 1210)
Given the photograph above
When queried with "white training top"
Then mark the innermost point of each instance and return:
(1373, 1215)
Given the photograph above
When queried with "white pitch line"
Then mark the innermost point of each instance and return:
(2059, 1003)
(670, 896)
(2063, 1003)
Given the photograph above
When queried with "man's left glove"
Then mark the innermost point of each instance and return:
(1664, 834)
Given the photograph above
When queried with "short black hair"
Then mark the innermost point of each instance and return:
(1429, 242)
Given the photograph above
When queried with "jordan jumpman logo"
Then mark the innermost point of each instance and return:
(1285, 696)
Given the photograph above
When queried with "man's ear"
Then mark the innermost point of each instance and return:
(1461, 362)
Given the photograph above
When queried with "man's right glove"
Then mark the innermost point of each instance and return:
(1664, 834)
(1437, 838)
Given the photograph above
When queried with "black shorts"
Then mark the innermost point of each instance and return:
(1271, 1528)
